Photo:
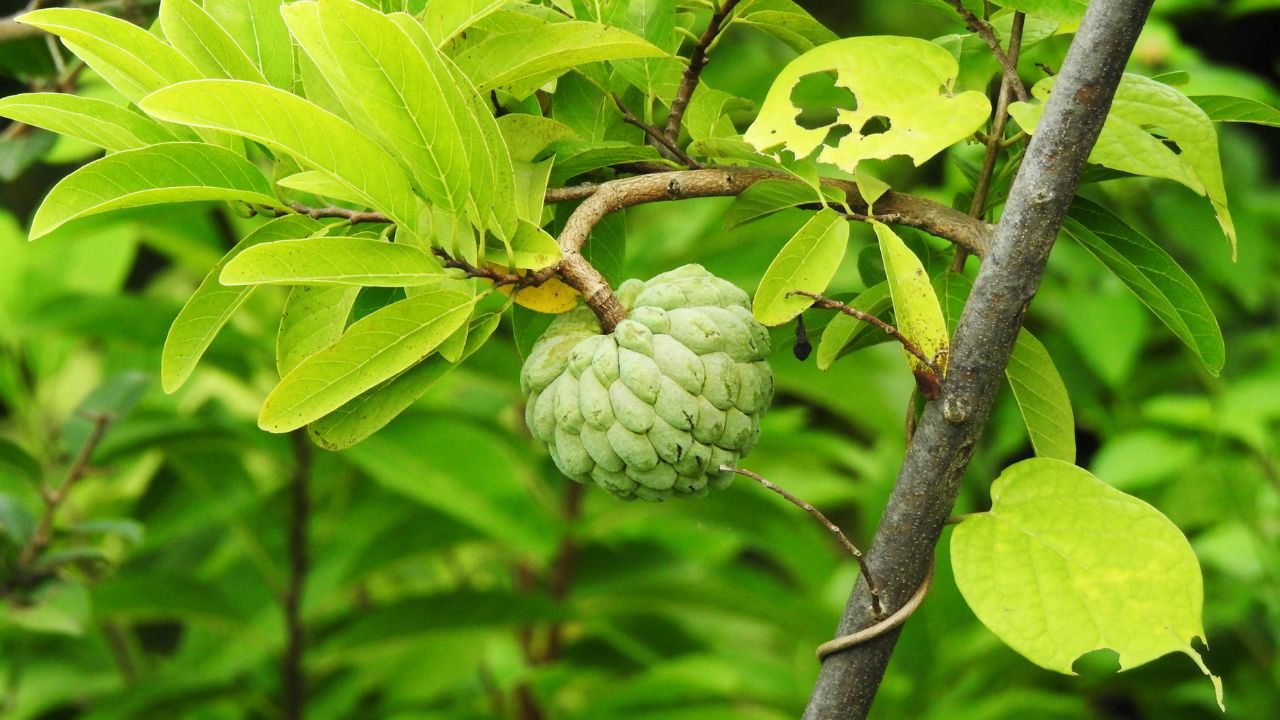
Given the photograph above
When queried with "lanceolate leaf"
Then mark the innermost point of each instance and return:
(1152, 275)
(1042, 399)
(258, 28)
(1223, 108)
(915, 305)
(332, 261)
(313, 319)
(286, 122)
(842, 328)
(212, 304)
(1064, 564)
(1143, 104)
(165, 173)
(898, 80)
(133, 60)
(373, 350)
(318, 182)
(786, 21)
(195, 34)
(530, 58)
(769, 196)
(807, 262)
(373, 409)
(99, 122)
(445, 19)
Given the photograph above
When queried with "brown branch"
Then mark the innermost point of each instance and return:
(831, 527)
(898, 617)
(697, 60)
(299, 561)
(988, 34)
(826, 303)
(655, 134)
(333, 211)
(497, 276)
(55, 496)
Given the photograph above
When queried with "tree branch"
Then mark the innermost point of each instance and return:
(299, 561)
(988, 34)
(655, 134)
(935, 463)
(697, 60)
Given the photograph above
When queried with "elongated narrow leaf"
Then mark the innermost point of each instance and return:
(212, 304)
(99, 122)
(1224, 108)
(286, 122)
(313, 319)
(373, 350)
(530, 58)
(769, 196)
(1152, 275)
(1042, 399)
(807, 262)
(165, 173)
(843, 328)
(318, 182)
(1064, 564)
(128, 57)
(373, 409)
(786, 21)
(332, 261)
(915, 304)
(407, 95)
(258, 28)
(445, 19)
(199, 37)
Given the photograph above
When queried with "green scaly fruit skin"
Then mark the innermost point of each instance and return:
(653, 409)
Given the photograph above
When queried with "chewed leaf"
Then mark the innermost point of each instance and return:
(1152, 130)
(896, 102)
(1064, 564)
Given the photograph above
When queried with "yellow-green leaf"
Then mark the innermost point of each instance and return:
(332, 261)
(807, 262)
(915, 304)
(95, 121)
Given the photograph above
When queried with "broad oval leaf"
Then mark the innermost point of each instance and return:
(1187, 151)
(95, 121)
(1153, 275)
(373, 409)
(1042, 399)
(1063, 564)
(530, 58)
(212, 304)
(769, 196)
(197, 35)
(288, 123)
(164, 173)
(807, 262)
(332, 261)
(899, 80)
(373, 350)
(915, 304)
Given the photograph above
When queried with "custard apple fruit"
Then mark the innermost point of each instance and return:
(654, 408)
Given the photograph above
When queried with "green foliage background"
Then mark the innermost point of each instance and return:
(434, 542)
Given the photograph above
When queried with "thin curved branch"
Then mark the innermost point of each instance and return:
(697, 60)
(988, 35)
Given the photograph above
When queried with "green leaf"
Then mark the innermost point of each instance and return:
(766, 197)
(1126, 143)
(843, 328)
(529, 58)
(313, 319)
(16, 521)
(575, 157)
(286, 122)
(132, 60)
(900, 80)
(115, 397)
(1064, 564)
(332, 261)
(446, 19)
(915, 304)
(533, 248)
(1152, 275)
(373, 350)
(527, 135)
(165, 173)
(807, 262)
(373, 409)
(707, 115)
(212, 304)
(1063, 11)
(318, 182)
(786, 21)
(655, 21)
(258, 28)
(1042, 399)
(1223, 108)
(13, 456)
(95, 121)
(193, 32)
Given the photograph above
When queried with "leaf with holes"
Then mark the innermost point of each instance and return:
(1063, 564)
(901, 81)
(1152, 130)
